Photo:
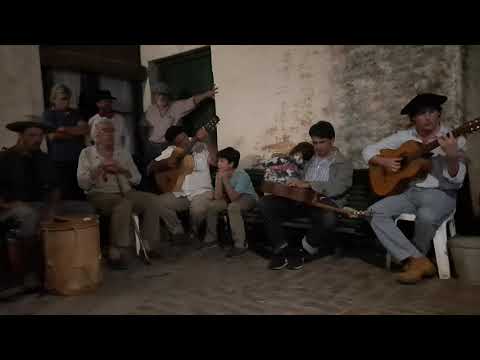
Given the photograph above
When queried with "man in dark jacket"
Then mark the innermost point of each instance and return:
(29, 193)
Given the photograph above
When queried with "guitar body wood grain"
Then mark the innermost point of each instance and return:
(172, 180)
(385, 182)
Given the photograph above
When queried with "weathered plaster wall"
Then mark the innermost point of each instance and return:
(374, 82)
(472, 110)
(20, 87)
(271, 95)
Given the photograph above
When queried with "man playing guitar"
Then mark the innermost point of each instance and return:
(196, 191)
(328, 173)
(431, 199)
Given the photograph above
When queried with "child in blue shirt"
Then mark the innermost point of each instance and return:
(233, 191)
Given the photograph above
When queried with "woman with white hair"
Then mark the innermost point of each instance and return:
(67, 141)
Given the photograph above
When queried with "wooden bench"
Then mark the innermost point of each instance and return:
(360, 197)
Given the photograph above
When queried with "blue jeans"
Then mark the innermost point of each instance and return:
(431, 207)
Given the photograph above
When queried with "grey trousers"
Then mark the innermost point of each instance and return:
(28, 214)
(120, 209)
(431, 207)
(244, 202)
(198, 208)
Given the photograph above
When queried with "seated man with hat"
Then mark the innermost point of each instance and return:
(29, 193)
(104, 102)
(164, 112)
(431, 199)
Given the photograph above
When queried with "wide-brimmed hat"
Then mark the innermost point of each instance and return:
(31, 122)
(104, 95)
(423, 101)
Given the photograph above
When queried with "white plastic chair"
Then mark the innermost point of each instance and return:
(439, 243)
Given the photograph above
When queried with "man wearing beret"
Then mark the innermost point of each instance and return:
(29, 193)
(431, 199)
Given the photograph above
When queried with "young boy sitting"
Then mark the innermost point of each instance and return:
(233, 191)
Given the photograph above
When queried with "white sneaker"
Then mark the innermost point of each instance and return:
(308, 248)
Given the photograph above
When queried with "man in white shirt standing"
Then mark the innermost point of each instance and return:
(165, 112)
(104, 101)
(197, 191)
(431, 199)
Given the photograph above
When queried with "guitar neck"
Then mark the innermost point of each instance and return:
(306, 196)
(434, 144)
(331, 208)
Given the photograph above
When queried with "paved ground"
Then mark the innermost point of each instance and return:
(208, 283)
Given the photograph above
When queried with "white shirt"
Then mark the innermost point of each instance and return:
(121, 133)
(396, 140)
(90, 158)
(199, 181)
(160, 123)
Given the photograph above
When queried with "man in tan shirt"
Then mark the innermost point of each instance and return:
(107, 174)
(164, 113)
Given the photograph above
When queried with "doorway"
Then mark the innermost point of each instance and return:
(188, 74)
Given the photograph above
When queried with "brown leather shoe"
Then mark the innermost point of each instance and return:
(416, 270)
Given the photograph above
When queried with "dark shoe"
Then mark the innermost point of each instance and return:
(181, 239)
(234, 252)
(118, 264)
(208, 245)
(152, 254)
(295, 262)
(278, 262)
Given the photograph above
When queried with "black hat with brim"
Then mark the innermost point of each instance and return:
(423, 101)
(21, 126)
(104, 95)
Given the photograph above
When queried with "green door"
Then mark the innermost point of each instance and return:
(188, 74)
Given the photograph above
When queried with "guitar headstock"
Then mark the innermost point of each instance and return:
(211, 124)
(471, 126)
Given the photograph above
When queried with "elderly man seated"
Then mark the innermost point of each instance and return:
(107, 174)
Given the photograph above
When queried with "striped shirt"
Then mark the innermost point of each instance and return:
(319, 168)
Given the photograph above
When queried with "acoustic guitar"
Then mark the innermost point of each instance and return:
(171, 180)
(309, 197)
(415, 163)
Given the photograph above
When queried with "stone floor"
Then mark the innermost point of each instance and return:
(208, 283)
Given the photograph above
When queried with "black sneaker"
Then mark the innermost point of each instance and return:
(208, 245)
(181, 239)
(234, 252)
(278, 262)
(295, 262)
(118, 264)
